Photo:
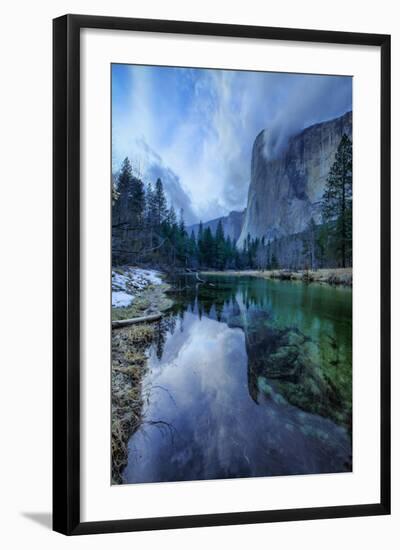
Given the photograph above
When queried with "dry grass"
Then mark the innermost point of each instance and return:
(334, 276)
(129, 347)
(139, 334)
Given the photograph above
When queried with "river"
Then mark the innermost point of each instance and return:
(247, 377)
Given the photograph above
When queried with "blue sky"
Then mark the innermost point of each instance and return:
(196, 127)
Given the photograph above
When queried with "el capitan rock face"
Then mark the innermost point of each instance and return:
(286, 191)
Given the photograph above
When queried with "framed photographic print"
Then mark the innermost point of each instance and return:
(221, 274)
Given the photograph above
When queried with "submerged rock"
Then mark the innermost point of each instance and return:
(305, 374)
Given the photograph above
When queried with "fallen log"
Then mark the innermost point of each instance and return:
(199, 279)
(145, 319)
(202, 281)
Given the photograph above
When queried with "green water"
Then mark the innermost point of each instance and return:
(247, 377)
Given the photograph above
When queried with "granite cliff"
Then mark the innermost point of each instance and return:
(285, 190)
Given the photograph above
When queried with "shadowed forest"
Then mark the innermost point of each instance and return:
(147, 230)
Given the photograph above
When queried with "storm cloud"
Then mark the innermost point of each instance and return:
(195, 128)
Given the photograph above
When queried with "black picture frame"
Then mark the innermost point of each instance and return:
(66, 273)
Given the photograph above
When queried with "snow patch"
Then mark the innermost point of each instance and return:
(119, 281)
(121, 299)
(150, 275)
(125, 286)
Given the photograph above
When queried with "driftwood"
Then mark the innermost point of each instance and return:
(146, 319)
(202, 281)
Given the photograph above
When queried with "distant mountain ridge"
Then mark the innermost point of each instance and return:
(148, 166)
(232, 225)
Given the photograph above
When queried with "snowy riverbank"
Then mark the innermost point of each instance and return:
(129, 282)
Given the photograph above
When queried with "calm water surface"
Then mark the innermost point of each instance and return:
(248, 377)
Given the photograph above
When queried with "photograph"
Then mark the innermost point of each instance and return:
(208, 360)
(231, 274)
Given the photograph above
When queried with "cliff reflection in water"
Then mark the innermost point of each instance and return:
(247, 377)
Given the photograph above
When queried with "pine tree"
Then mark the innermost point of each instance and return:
(182, 240)
(247, 251)
(151, 225)
(274, 261)
(309, 244)
(200, 231)
(237, 261)
(274, 258)
(255, 245)
(122, 215)
(114, 191)
(160, 203)
(125, 178)
(182, 228)
(150, 206)
(250, 250)
(200, 245)
(220, 251)
(124, 190)
(170, 230)
(192, 249)
(170, 217)
(322, 244)
(268, 255)
(137, 204)
(208, 248)
(228, 251)
(261, 257)
(337, 200)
